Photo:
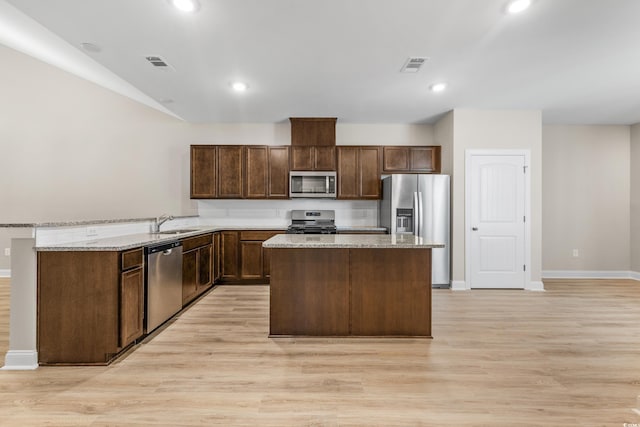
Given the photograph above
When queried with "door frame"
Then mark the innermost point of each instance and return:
(527, 209)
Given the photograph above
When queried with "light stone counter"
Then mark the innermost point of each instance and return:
(375, 241)
(131, 241)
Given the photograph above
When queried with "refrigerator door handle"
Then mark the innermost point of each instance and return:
(416, 211)
(420, 213)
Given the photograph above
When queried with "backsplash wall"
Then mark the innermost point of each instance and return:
(277, 213)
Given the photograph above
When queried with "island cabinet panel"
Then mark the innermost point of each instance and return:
(307, 298)
(78, 306)
(391, 292)
(411, 159)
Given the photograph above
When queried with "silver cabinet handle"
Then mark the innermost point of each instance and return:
(475, 229)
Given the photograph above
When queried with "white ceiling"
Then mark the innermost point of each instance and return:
(576, 60)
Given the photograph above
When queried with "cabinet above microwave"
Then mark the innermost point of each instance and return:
(312, 184)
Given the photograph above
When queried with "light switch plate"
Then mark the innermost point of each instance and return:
(92, 231)
(7, 251)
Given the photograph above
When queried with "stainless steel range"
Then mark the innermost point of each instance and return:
(312, 222)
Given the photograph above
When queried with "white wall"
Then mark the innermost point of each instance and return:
(586, 198)
(498, 129)
(72, 150)
(635, 198)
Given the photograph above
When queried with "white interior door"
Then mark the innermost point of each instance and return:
(497, 221)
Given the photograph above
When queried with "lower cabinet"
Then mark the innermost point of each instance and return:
(197, 266)
(244, 258)
(90, 305)
(131, 298)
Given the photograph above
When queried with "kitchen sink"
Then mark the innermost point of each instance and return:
(180, 231)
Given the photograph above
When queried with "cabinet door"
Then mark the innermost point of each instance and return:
(369, 173)
(230, 171)
(278, 173)
(230, 260)
(131, 306)
(251, 259)
(324, 158)
(189, 275)
(348, 173)
(302, 158)
(425, 159)
(205, 259)
(256, 176)
(395, 159)
(203, 171)
(217, 259)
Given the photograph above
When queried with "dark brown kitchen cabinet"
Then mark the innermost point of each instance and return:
(251, 259)
(313, 158)
(203, 172)
(239, 172)
(90, 305)
(313, 131)
(217, 259)
(197, 266)
(229, 247)
(411, 159)
(230, 162)
(359, 172)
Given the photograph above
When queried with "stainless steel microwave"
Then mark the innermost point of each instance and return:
(313, 184)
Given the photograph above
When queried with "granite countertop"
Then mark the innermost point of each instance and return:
(397, 241)
(131, 241)
(361, 228)
(72, 223)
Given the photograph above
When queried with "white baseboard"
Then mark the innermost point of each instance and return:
(21, 360)
(590, 274)
(459, 285)
(5, 273)
(535, 286)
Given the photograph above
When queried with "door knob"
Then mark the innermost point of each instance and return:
(475, 229)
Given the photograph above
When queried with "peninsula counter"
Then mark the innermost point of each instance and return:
(350, 285)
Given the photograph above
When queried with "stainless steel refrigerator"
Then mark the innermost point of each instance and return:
(419, 205)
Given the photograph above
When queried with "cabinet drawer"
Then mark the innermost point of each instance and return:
(258, 235)
(195, 242)
(131, 259)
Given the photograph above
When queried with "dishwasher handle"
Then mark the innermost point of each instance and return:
(165, 248)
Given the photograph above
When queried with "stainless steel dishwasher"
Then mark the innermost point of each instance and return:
(164, 283)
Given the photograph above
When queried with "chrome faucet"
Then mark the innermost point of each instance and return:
(159, 221)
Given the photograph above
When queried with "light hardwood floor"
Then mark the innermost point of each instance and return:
(566, 357)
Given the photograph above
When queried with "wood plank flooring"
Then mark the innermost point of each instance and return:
(569, 356)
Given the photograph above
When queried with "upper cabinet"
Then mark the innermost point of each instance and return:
(313, 131)
(313, 158)
(359, 172)
(239, 172)
(411, 159)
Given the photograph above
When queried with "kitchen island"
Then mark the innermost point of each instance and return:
(350, 285)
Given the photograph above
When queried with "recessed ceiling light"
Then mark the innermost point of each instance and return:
(438, 87)
(186, 5)
(239, 86)
(517, 6)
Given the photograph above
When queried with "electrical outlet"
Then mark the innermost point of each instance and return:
(92, 231)
(7, 251)
(576, 254)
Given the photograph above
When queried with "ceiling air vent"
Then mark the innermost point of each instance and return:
(413, 64)
(158, 62)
